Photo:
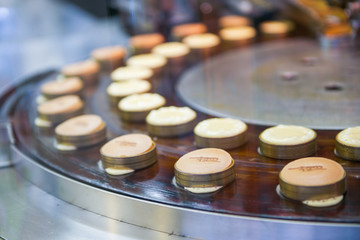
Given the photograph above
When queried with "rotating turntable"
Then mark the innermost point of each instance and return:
(149, 198)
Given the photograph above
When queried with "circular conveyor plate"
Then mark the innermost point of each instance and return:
(283, 82)
(252, 194)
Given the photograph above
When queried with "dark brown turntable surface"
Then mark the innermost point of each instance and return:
(221, 87)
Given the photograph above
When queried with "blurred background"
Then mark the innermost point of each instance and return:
(42, 34)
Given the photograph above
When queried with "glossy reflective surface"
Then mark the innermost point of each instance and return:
(270, 83)
(252, 194)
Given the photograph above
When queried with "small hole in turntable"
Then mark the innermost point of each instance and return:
(309, 60)
(289, 76)
(333, 86)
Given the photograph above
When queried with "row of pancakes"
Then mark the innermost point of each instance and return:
(203, 170)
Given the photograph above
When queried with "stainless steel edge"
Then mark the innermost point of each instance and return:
(184, 222)
(6, 139)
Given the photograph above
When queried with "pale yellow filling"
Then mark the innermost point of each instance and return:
(349, 137)
(275, 27)
(237, 33)
(128, 87)
(219, 128)
(126, 73)
(205, 40)
(170, 116)
(141, 102)
(147, 60)
(287, 135)
(171, 49)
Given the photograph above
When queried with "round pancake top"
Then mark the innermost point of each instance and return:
(141, 102)
(131, 72)
(148, 60)
(171, 49)
(237, 33)
(62, 86)
(127, 87)
(108, 53)
(349, 137)
(79, 68)
(204, 161)
(60, 105)
(204, 40)
(127, 146)
(187, 29)
(220, 127)
(170, 116)
(287, 135)
(146, 41)
(233, 21)
(312, 171)
(275, 27)
(80, 125)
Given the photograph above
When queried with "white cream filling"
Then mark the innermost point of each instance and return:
(168, 116)
(204, 40)
(117, 171)
(41, 99)
(42, 123)
(287, 135)
(141, 102)
(324, 202)
(349, 137)
(219, 128)
(147, 60)
(128, 87)
(126, 73)
(203, 189)
(171, 49)
(65, 147)
(237, 33)
(273, 27)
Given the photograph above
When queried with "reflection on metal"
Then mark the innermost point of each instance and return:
(27, 212)
(173, 221)
(248, 84)
(6, 138)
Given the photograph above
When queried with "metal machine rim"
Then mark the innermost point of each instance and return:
(169, 219)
